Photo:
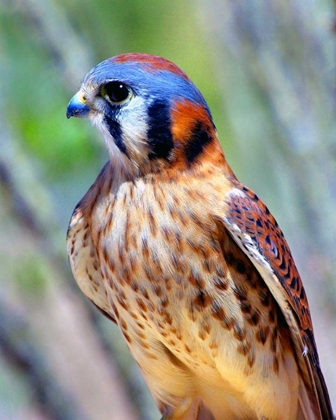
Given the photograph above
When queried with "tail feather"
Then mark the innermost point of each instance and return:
(309, 407)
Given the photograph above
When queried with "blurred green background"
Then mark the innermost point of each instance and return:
(267, 70)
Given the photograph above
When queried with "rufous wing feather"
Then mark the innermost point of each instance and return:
(257, 233)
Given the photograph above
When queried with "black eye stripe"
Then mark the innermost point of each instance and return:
(116, 91)
(116, 132)
(159, 132)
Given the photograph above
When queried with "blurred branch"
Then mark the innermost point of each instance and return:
(61, 40)
(18, 348)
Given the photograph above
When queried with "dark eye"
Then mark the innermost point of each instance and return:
(116, 92)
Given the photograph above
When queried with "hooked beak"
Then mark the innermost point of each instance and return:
(77, 107)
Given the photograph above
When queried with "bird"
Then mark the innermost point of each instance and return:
(187, 261)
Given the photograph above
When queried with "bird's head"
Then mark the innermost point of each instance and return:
(148, 110)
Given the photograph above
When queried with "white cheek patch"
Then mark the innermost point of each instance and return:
(118, 159)
(97, 119)
(132, 119)
(133, 123)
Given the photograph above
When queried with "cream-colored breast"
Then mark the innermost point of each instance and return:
(152, 257)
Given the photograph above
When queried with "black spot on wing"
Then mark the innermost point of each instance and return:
(116, 132)
(159, 134)
(199, 138)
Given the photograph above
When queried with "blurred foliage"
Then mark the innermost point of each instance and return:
(266, 73)
(34, 69)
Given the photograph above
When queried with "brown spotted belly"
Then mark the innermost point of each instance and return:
(194, 311)
(191, 321)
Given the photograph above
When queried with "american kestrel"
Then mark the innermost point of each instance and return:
(186, 260)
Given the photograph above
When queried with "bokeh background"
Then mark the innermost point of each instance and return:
(267, 70)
